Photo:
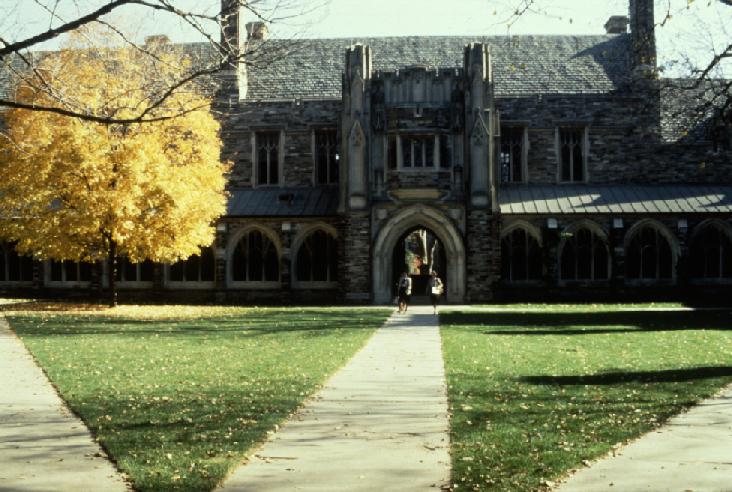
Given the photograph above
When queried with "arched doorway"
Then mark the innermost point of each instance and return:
(418, 252)
(399, 226)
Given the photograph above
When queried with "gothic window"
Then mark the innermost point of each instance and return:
(255, 259)
(418, 151)
(317, 258)
(584, 257)
(391, 151)
(520, 257)
(267, 148)
(446, 151)
(572, 154)
(711, 254)
(326, 157)
(197, 268)
(648, 256)
(70, 271)
(13, 267)
(134, 272)
(511, 155)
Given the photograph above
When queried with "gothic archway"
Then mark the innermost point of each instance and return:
(418, 252)
(394, 230)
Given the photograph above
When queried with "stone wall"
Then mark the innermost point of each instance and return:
(297, 119)
(483, 255)
(355, 257)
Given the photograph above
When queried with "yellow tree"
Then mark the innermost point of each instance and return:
(73, 189)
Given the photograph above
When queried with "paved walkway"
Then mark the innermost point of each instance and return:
(692, 452)
(380, 423)
(43, 447)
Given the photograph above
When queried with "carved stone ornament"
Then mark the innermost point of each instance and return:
(480, 132)
(378, 120)
(357, 137)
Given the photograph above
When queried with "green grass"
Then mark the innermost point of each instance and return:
(565, 307)
(534, 394)
(177, 395)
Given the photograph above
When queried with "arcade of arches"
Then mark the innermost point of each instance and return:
(419, 240)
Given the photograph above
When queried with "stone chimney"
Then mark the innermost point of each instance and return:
(234, 73)
(642, 28)
(157, 39)
(232, 13)
(257, 30)
(617, 24)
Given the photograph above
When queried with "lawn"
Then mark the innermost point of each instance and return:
(534, 394)
(178, 395)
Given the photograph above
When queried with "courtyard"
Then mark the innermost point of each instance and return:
(179, 396)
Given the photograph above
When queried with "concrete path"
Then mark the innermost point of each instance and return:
(43, 447)
(692, 452)
(380, 423)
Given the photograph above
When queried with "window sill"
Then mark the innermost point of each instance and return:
(82, 284)
(263, 285)
(636, 282)
(315, 285)
(133, 285)
(179, 285)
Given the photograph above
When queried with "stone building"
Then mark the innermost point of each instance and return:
(510, 165)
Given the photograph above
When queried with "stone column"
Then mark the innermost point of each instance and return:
(479, 120)
(616, 244)
(355, 258)
(286, 237)
(355, 128)
(483, 250)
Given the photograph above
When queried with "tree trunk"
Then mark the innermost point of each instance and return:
(112, 274)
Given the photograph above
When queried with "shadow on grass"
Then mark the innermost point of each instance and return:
(588, 323)
(314, 323)
(606, 378)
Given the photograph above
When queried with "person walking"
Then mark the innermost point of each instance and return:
(435, 287)
(404, 291)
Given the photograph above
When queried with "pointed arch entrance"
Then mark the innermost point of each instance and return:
(418, 252)
(389, 242)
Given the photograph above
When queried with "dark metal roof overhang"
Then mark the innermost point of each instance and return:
(614, 199)
(317, 201)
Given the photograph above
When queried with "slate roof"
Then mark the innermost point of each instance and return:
(625, 199)
(522, 65)
(687, 105)
(318, 201)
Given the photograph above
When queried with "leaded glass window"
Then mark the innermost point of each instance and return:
(326, 157)
(70, 271)
(711, 254)
(584, 257)
(134, 272)
(649, 256)
(196, 268)
(255, 259)
(13, 267)
(317, 258)
(267, 156)
(418, 151)
(572, 154)
(520, 257)
(511, 156)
